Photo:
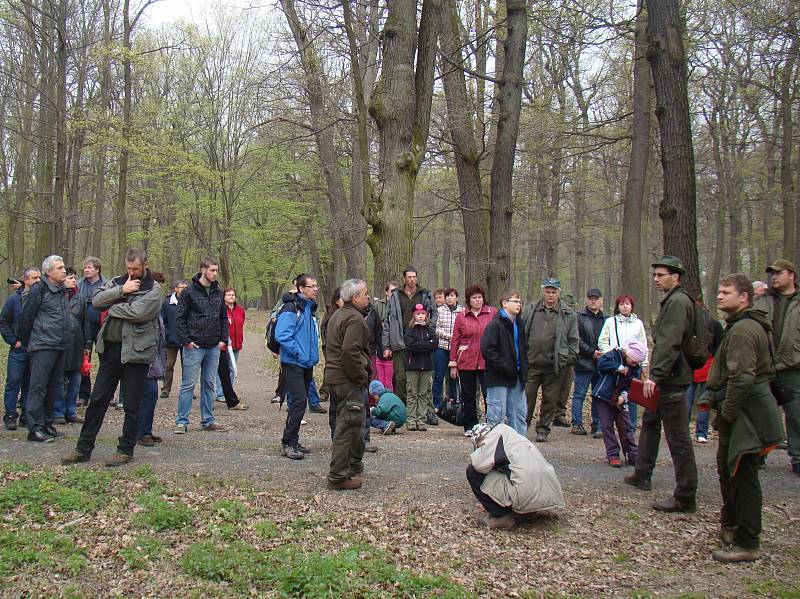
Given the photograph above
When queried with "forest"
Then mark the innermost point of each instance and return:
(491, 141)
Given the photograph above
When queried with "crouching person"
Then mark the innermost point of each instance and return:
(127, 345)
(389, 413)
(509, 476)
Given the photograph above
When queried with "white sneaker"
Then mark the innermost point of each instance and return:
(303, 422)
(702, 439)
(276, 399)
(220, 399)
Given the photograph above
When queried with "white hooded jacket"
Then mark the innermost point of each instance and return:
(619, 331)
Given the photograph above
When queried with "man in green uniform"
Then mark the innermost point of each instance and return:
(670, 371)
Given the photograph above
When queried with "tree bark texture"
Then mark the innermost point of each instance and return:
(124, 155)
(665, 32)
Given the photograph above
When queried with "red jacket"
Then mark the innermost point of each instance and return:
(236, 325)
(701, 374)
(465, 346)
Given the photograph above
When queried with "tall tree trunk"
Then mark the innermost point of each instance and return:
(509, 105)
(100, 161)
(44, 143)
(466, 148)
(71, 249)
(790, 246)
(633, 254)
(401, 107)
(665, 30)
(124, 156)
(61, 127)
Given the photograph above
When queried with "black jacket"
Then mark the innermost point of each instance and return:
(81, 332)
(45, 322)
(169, 316)
(202, 318)
(420, 344)
(589, 327)
(497, 347)
(375, 326)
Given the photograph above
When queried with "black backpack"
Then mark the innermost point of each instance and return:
(272, 343)
(697, 344)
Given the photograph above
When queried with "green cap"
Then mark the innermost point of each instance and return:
(782, 264)
(551, 282)
(670, 262)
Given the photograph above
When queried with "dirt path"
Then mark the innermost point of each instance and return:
(607, 542)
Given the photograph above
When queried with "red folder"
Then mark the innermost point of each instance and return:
(636, 393)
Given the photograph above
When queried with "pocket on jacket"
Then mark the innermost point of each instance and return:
(144, 336)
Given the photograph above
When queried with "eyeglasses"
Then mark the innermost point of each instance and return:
(658, 275)
(515, 301)
(310, 286)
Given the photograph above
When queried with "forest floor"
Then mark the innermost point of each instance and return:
(223, 514)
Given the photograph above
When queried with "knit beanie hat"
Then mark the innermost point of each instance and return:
(636, 351)
(419, 308)
(376, 388)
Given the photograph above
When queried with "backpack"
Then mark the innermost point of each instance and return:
(272, 343)
(697, 344)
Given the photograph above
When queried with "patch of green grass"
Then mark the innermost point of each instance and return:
(7, 468)
(40, 493)
(633, 516)
(307, 522)
(92, 482)
(160, 514)
(39, 548)
(267, 529)
(229, 510)
(641, 594)
(143, 552)
(621, 558)
(293, 572)
(771, 588)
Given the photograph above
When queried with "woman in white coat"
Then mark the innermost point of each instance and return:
(619, 330)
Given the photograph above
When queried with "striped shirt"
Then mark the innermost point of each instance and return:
(445, 324)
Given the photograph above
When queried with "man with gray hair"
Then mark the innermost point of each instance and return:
(348, 369)
(759, 288)
(45, 328)
(18, 372)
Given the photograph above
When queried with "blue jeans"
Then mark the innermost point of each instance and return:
(220, 394)
(147, 408)
(313, 394)
(507, 402)
(66, 404)
(17, 378)
(695, 390)
(441, 357)
(379, 423)
(582, 380)
(201, 362)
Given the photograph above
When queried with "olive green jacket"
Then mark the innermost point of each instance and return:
(567, 338)
(668, 366)
(139, 314)
(787, 348)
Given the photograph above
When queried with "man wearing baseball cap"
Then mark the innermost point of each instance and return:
(590, 323)
(670, 371)
(781, 302)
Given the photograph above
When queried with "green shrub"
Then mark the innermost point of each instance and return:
(159, 514)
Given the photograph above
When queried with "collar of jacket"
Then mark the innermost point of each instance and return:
(630, 318)
(147, 281)
(304, 300)
(485, 309)
(52, 286)
(559, 307)
(672, 292)
(587, 312)
(772, 292)
(196, 281)
(751, 313)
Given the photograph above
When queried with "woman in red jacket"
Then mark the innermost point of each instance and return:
(466, 359)
(228, 366)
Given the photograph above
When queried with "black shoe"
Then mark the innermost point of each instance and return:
(53, 431)
(561, 422)
(75, 420)
(671, 504)
(60, 421)
(796, 469)
(639, 483)
(39, 437)
(541, 438)
(318, 410)
(431, 419)
(303, 448)
(578, 429)
(10, 422)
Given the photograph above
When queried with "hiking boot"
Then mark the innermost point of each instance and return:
(293, 453)
(412, 426)
(733, 553)
(318, 410)
(357, 468)
(40, 437)
(493, 522)
(671, 505)
(370, 448)
(164, 395)
(577, 429)
(639, 483)
(303, 448)
(431, 419)
(118, 459)
(156, 438)
(10, 422)
(561, 422)
(181, 429)
(389, 428)
(615, 463)
(348, 484)
(796, 469)
(59, 420)
(74, 457)
(53, 432)
(421, 426)
(215, 428)
(726, 534)
(541, 438)
(75, 420)
(147, 441)
(240, 406)
(598, 434)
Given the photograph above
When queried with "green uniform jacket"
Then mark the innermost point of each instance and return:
(668, 366)
(567, 338)
(139, 314)
(739, 379)
(787, 348)
(347, 349)
(390, 407)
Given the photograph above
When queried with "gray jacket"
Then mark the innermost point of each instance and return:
(393, 325)
(46, 322)
(139, 314)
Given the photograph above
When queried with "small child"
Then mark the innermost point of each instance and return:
(388, 414)
(610, 383)
(421, 342)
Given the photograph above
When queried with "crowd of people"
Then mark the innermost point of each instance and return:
(395, 361)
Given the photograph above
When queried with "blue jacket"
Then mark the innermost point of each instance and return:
(296, 332)
(169, 314)
(607, 381)
(9, 317)
(87, 289)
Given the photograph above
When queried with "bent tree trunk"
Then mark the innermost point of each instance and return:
(401, 107)
(665, 32)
